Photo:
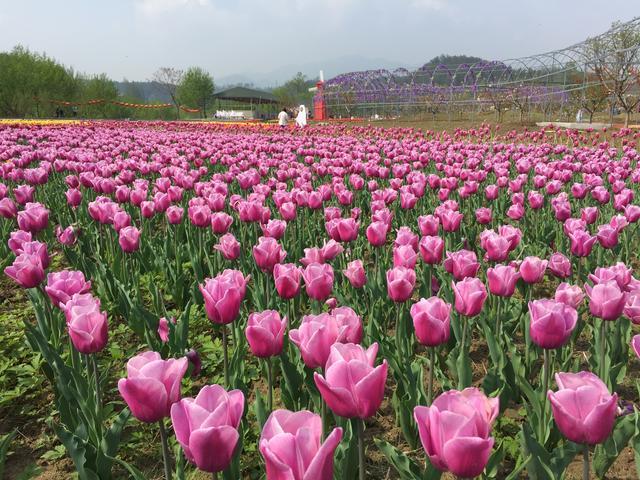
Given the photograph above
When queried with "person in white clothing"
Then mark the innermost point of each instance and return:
(283, 118)
(301, 119)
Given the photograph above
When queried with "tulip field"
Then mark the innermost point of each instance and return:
(239, 301)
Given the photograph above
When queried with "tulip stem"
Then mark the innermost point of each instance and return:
(225, 356)
(165, 451)
(399, 329)
(585, 462)
(360, 427)
(430, 280)
(323, 418)
(270, 382)
(545, 387)
(603, 344)
(94, 366)
(432, 358)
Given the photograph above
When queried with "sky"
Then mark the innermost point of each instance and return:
(132, 38)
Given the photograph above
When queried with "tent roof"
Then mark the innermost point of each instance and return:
(243, 94)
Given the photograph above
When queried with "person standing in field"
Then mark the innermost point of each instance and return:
(283, 118)
(301, 119)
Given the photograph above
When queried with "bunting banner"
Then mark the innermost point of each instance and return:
(122, 104)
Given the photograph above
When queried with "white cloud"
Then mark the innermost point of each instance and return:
(152, 7)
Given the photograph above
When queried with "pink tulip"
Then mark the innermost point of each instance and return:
(632, 307)
(74, 197)
(462, 264)
(223, 296)
(552, 323)
(343, 229)
(355, 274)
(287, 279)
(209, 423)
(228, 246)
(8, 208)
(37, 249)
(570, 295)
(589, 215)
(349, 325)
(66, 237)
(511, 233)
(431, 249)
(470, 295)
(404, 236)
(33, 218)
(451, 220)
(428, 225)
(267, 253)
(147, 209)
(607, 236)
(152, 385)
(274, 229)
(377, 233)
(532, 269)
(351, 386)
(291, 446)
(559, 265)
(583, 408)
(483, 215)
(318, 280)
(431, 321)
(23, 194)
(606, 300)
(174, 214)
(199, 215)
(63, 285)
(220, 222)
(17, 239)
(330, 250)
(163, 328)
(400, 283)
(120, 220)
(502, 280)
(496, 246)
(312, 255)
(619, 273)
(26, 271)
(265, 333)
(87, 325)
(455, 431)
(581, 243)
(129, 239)
(314, 338)
(404, 256)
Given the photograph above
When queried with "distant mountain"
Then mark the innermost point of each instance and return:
(331, 68)
(153, 92)
(146, 91)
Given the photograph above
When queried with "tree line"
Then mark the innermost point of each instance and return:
(32, 85)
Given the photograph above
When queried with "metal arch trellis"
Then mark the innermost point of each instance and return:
(536, 81)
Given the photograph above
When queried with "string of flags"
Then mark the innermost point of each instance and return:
(122, 104)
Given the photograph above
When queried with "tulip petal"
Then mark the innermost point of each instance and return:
(467, 457)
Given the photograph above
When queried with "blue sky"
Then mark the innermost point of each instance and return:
(131, 38)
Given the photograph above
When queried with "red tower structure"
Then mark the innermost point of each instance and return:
(319, 107)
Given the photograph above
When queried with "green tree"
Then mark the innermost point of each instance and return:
(196, 89)
(28, 81)
(295, 91)
(100, 87)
